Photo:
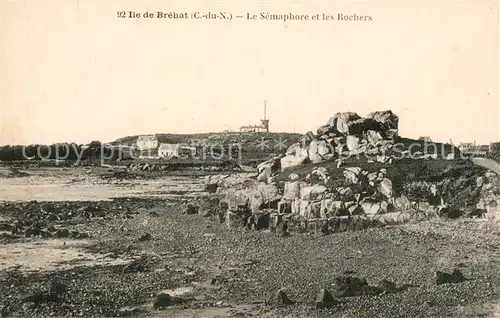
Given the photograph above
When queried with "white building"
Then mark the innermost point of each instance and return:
(263, 127)
(175, 150)
(168, 150)
(145, 142)
(474, 149)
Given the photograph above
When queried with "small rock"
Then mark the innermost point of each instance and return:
(129, 311)
(387, 286)
(281, 299)
(208, 212)
(62, 233)
(141, 264)
(190, 209)
(32, 231)
(154, 214)
(480, 181)
(45, 234)
(6, 227)
(163, 300)
(324, 299)
(281, 228)
(347, 286)
(325, 228)
(77, 235)
(39, 298)
(57, 287)
(355, 210)
(145, 237)
(450, 212)
(477, 213)
(444, 278)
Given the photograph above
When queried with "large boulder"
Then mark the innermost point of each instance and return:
(301, 207)
(292, 161)
(345, 193)
(401, 203)
(306, 139)
(331, 207)
(295, 206)
(323, 130)
(313, 210)
(264, 196)
(352, 142)
(319, 151)
(351, 174)
(340, 121)
(255, 198)
(373, 137)
(297, 149)
(267, 168)
(237, 219)
(385, 187)
(291, 191)
(371, 206)
(386, 119)
(236, 198)
(235, 181)
(314, 192)
(361, 125)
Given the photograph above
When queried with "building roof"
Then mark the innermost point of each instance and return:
(467, 144)
(252, 126)
(168, 147)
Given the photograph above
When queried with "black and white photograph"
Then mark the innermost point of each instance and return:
(249, 158)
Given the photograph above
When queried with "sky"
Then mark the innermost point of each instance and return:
(73, 71)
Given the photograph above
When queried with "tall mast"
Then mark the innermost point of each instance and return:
(265, 106)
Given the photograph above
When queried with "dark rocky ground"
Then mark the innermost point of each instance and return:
(234, 272)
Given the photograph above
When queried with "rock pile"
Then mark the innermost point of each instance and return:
(489, 184)
(364, 199)
(56, 219)
(368, 193)
(349, 194)
(12, 172)
(147, 167)
(344, 135)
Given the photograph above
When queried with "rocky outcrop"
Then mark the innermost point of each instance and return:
(256, 198)
(345, 134)
(220, 183)
(347, 194)
(366, 199)
(355, 199)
